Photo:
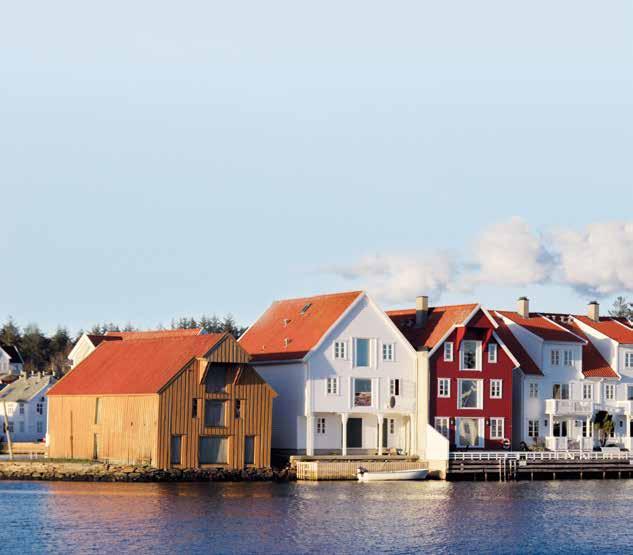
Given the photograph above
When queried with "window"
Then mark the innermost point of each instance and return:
(175, 449)
(533, 390)
(362, 353)
(238, 409)
(10, 427)
(215, 381)
(609, 392)
(555, 357)
(40, 427)
(492, 353)
(586, 429)
(39, 408)
(213, 413)
(320, 426)
(568, 358)
(628, 359)
(362, 393)
(249, 450)
(629, 392)
(442, 426)
(469, 432)
(496, 428)
(533, 428)
(443, 387)
(392, 426)
(97, 410)
(560, 391)
(194, 408)
(470, 358)
(560, 428)
(332, 386)
(388, 352)
(496, 389)
(470, 394)
(448, 352)
(212, 450)
(394, 386)
(587, 391)
(340, 350)
(21, 407)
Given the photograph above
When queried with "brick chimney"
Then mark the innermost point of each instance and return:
(421, 310)
(594, 311)
(523, 307)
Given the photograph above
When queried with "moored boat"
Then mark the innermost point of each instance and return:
(391, 475)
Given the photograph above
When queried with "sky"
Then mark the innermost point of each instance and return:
(161, 159)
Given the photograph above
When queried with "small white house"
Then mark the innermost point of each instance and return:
(25, 404)
(344, 373)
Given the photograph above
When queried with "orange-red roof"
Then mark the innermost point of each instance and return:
(528, 366)
(611, 328)
(541, 327)
(439, 321)
(134, 367)
(153, 334)
(290, 329)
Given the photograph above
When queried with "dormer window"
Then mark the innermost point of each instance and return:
(305, 308)
(470, 359)
(448, 352)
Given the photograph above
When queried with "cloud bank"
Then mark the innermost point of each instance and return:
(596, 261)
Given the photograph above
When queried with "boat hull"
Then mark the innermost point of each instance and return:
(396, 475)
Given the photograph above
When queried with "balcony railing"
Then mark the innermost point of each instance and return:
(569, 443)
(556, 443)
(626, 406)
(560, 407)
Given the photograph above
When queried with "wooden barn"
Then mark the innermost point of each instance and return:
(180, 402)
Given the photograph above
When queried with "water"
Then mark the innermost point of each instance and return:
(430, 517)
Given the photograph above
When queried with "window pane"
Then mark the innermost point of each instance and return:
(362, 393)
(249, 450)
(213, 413)
(216, 379)
(469, 394)
(175, 449)
(470, 355)
(468, 432)
(362, 352)
(212, 450)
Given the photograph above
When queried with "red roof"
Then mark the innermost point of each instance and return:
(439, 321)
(290, 329)
(134, 367)
(541, 327)
(594, 365)
(528, 366)
(611, 328)
(153, 334)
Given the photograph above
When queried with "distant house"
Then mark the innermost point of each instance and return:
(88, 342)
(25, 402)
(164, 399)
(11, 363)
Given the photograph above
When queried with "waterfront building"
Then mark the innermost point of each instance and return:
(166, 400)
(345, 375)
(25, 403)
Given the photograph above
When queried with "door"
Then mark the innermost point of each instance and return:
(355, 433)
(96, 447)
(385, 433)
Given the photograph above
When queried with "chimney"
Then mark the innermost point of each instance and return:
(421, 310)
(523, 307)
(594, 311)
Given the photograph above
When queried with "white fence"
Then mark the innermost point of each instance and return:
(538, 456)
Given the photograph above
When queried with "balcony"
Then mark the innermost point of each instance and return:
(626, 407)
(568, 407)
(569, 444)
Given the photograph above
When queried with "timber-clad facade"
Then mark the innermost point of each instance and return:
(215, 410)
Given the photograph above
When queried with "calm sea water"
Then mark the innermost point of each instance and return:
(430, 517)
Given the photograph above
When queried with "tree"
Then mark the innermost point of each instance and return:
(10, 333)
(622, 308)
(34, 348)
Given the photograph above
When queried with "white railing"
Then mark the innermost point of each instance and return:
(626, 406)
(539, 456)
(556, 443)
(568, 406)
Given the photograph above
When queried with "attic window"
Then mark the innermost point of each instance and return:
(305, 308)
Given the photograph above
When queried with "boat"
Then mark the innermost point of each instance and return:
(391, 475)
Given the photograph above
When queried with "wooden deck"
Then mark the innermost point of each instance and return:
(337, 467)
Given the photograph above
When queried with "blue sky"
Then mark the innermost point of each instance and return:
(162, 159)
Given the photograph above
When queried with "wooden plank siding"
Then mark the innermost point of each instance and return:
(243, 383)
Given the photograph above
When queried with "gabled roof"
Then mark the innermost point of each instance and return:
(291, 328)
(153, 334)
(541, 327)
(439, 321)
(134, 367)
(24, 389)
(527, 365)
(14, 355)
(610, 327)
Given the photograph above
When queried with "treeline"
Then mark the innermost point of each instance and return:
(48, 353)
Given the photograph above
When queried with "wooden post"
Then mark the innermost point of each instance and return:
(6, 427)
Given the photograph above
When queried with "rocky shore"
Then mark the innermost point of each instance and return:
(97, 472)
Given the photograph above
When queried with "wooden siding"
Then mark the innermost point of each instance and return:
(127, 428)
(175, 416)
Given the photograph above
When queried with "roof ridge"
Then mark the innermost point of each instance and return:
(320, 296)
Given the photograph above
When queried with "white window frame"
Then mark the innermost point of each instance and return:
(449, 349)
(534, 428)
(609, 392)
(587, 387)
(533, 390)
(568, 358)
(370, 355)
(554, 357)
(628, 359)
(493, 384)
(447, 383)
(321, 426)
(477, 356)
(499, 428)
(388, 352)
(442, 425)
(39, 427)
(332, 386)
(340, 350)
(480, 393)
(392, 387)
(493, 353)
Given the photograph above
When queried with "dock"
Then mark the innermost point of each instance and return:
(338, 467)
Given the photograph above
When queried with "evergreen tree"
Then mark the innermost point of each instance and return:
(34, 348)
(10, 333)
(622, 308)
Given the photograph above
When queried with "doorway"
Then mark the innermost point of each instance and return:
(355, 433)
